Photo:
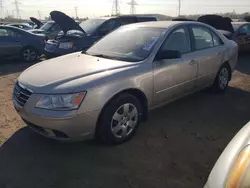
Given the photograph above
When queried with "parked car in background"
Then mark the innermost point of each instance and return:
(241, 35)
(77, 37)
(232, 169)
(20, 26)
(237, 31)
(20, 43)
(50, 29)
(107, 90)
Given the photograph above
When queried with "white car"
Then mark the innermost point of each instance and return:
(232, 170)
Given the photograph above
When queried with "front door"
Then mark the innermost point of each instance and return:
(175, 77)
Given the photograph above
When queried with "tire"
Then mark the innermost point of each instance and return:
(222, 79)
(29, 54)
(119, 120)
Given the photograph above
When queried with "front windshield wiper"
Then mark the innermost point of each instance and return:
(104, 56)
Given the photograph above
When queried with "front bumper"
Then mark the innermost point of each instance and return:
(60, 125)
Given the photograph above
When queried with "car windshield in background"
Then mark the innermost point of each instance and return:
(47, 26)
(236, 26)
(127, 44)
(90, 25)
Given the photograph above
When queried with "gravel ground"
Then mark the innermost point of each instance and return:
(176, 147)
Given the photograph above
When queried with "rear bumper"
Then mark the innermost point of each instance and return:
(54, 51)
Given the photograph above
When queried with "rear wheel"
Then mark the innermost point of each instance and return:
(222, 79)
(119, 120)
(29, 54)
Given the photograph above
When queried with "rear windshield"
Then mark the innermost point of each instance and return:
(47, 26)
(90, 25)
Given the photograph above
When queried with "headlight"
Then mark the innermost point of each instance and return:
(66, 45)
(61, 102)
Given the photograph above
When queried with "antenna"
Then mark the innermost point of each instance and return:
(16, 2)
(132, 4)
(115, 7)
(76, 9)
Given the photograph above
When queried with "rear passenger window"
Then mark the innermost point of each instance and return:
(203, 38)
(217, 41)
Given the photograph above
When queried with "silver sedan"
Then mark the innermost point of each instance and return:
(108, 90)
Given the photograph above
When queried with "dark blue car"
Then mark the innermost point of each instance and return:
(78, 37)
(15, 42)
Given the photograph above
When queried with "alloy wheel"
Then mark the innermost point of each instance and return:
(223, 78)
(29, 54)
(124, 120)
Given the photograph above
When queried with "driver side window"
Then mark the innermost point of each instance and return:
(178, 40)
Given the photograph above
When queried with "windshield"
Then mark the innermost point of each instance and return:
(47, 26)
(90, 25)
(127, 44)
(236, 26)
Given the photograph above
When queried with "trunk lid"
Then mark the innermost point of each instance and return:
(65, 22)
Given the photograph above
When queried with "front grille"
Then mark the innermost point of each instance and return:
(21, 95)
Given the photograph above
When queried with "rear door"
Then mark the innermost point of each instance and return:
(208, 51)
(9, 42)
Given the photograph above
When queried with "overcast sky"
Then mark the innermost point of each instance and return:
(93, 8)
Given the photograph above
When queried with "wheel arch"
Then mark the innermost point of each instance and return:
(140, 95)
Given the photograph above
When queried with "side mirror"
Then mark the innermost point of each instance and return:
(168, 54)
(242, 34)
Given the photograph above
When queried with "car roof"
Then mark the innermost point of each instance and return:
(163, 24)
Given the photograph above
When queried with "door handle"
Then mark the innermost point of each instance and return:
(193, 62)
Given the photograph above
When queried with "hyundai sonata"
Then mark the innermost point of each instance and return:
(108, 90)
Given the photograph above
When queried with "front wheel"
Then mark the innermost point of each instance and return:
(119, 120)
(222, 79)
(29, 54)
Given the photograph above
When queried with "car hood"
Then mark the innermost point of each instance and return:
(65, 22)
(62, 74)
(36, 21)
(218, 22)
